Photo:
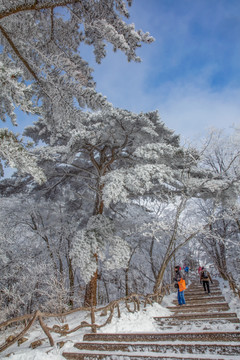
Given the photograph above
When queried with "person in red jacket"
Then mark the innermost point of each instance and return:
(199, 272)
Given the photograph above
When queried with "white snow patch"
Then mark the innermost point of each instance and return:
(141, 321)
(35, 355)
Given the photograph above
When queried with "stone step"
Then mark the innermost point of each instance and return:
(218, 349)
(232, 336)
(197, 298)
(110, 356)
(206, 299)
(201, 293)
(197, 282)
(227, 317)
(201, 290)
(198, 285)
(207, 324)
(184, 309)
(197, 279)
(199, 308)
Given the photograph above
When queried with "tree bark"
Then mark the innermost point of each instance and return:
(91, 289)
(71, 283)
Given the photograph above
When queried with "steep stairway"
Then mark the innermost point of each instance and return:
(216, 333)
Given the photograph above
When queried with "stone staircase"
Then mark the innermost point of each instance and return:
(210, 315)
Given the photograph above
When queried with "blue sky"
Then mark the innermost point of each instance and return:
(190, 74)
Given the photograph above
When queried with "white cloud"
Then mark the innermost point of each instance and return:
(188, 106)
(193, 111)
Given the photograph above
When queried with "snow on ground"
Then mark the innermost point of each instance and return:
(233, 301)
(141, 321)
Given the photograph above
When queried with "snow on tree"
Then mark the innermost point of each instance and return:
(112, 156)
(14, 92)
(36, 237)
(98, 238)
(16, 154)
(43, 39)
(221, 240)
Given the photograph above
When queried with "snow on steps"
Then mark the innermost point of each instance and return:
(140, 356)
(199, 308)
(161, 348)
(198, 293)
(233, 336)
(207, 299)
(227, 317)
(204, 345)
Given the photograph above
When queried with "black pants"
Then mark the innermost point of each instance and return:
(206, 286)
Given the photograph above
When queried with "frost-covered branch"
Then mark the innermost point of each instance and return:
(12, 150)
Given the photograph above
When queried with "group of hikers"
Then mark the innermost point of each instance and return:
(180, 282)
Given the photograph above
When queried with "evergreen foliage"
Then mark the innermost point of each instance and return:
(41, 43)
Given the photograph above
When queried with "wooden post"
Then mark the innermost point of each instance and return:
(45, 329)
(94, 330)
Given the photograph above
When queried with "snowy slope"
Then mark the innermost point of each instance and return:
(141, 321)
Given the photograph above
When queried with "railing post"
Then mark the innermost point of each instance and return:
(94, 330)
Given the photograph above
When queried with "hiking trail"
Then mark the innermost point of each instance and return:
(209, 313)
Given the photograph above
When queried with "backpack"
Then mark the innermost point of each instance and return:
(181, 285)
(205, 274)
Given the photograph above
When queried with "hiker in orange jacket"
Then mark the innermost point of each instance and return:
(177, 278)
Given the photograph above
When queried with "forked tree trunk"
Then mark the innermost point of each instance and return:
(168, 257)
(159, 281)
(169, 252)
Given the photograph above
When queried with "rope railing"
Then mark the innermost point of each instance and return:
(132, 303)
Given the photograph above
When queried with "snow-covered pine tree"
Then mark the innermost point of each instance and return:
(108, 158)
(43, 38)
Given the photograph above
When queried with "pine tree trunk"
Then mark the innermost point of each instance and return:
(91, 289)
(101, 162)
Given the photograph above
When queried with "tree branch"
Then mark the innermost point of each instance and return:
(9, 40)
(35, 6)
